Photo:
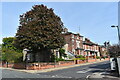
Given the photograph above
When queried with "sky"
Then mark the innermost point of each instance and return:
(92, 20)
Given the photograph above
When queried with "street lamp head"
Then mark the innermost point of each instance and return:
(113, 26)
(118, 32)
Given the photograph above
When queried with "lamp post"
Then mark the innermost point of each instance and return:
(118, 33)
(118, 59)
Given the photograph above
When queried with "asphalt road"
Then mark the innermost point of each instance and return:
(75, 72)
(79, 72)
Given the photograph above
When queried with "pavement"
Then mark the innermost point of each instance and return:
(51, 69)
(107, 75)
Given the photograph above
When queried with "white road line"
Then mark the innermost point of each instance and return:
(84, 71)
(88, 76)
(80, 72)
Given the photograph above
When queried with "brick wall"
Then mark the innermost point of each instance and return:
(19, 65)
(40, 66)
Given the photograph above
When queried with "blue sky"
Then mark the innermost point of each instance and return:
(93, 18)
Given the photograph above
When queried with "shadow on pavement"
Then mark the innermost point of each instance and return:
(112, 73)
(104, 69)
(101, 66)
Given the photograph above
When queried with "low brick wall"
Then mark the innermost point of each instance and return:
(9, 65)
(66, 63)
(13, 65)
(79, 61)
(91, 60)
(107, 59)
(19, 65)
(45, 65)
(40, 66)
(36, 66)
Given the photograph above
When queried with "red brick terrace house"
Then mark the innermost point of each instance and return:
(90, 49)
(74, 43)
(103, 51)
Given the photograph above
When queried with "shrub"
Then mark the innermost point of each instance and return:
(106, 56)
(59, 59)
(97, 57)
(75, 58)
(62, 53)
(83, 58)
(80, 56)
(69, 60)
(103, 57)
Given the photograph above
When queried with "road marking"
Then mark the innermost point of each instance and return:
(81, 72)
(59, 76)
(84, 71)
(53, 76)
(88, 76)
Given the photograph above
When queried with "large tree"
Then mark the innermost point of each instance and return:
(40, 28)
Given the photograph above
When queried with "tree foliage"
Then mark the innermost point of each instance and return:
(11, 56)
(7, 43)
(114, 50)
(39, 28)
(9, 52)
(62, 53)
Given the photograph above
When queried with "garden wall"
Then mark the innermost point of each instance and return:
(46, 65)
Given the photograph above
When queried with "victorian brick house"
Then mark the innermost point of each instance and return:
(77, 45)
(74, 43)
(91, 49)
